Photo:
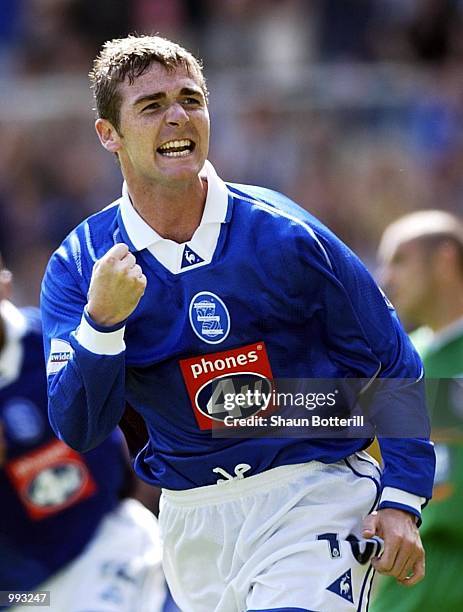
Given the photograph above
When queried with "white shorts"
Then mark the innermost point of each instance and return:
(286, 538)
(118, 571)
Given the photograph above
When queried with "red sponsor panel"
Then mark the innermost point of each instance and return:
(210, 377)
(50, 479)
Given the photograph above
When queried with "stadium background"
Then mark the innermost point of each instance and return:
(352, 107)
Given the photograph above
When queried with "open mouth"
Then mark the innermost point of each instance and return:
(176, 148)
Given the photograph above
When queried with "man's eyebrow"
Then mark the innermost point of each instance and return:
(185, 91)
(149, 97)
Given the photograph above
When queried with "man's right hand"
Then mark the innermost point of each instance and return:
(116, 286)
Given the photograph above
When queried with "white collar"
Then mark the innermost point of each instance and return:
(11, 355)
(143, 235)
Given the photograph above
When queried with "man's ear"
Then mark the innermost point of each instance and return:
(108, 135)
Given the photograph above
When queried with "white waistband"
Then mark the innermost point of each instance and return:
(232, 489)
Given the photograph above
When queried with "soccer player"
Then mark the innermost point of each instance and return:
(188, 289)
(64, 527)
(422, 258)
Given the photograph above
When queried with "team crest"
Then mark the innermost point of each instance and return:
(209, 317)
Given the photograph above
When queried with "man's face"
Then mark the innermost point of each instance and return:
(164, 127)
(408, 278)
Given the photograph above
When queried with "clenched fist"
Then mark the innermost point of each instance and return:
(403, 555)
(116, 286)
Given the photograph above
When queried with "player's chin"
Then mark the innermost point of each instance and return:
(181, 167)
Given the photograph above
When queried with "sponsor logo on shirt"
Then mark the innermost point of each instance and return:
(60, 353)
(211, 378)
(209, 317)
(49, 479)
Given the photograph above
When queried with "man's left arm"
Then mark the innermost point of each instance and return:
(367, 325)
(408, 461)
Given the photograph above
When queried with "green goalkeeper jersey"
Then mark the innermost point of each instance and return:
(442, 528)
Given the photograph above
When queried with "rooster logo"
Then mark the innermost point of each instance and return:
(344, 585)
(190, 258)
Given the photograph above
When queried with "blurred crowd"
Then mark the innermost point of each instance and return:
(352, 107)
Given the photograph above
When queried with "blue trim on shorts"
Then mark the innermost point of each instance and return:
(377, 468)
(377, 484)
(378, 494)
(282, 610)
(362, 590)
(369, 590)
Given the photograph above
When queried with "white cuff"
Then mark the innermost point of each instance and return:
(100, 343)
(397, 496)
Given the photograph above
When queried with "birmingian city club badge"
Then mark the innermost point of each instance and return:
(209, 317)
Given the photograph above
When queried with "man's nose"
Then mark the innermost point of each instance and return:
(176, 115)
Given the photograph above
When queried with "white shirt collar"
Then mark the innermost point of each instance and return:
(11, 355)
(143, 236)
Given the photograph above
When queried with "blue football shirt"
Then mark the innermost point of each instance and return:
(262, 289)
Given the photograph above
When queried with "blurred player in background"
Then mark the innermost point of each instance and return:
(64, 526)
(238, 283)
(422, 260)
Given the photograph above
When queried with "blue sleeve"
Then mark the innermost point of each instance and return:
(367, 340)
(85, 389)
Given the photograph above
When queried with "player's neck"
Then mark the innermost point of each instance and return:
(174, 212)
